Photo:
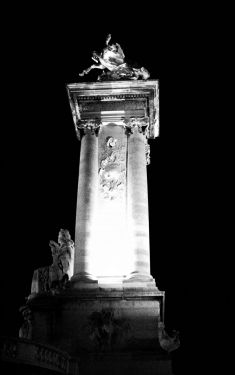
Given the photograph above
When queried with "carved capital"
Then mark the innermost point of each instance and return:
(141, 124)
(87, 126)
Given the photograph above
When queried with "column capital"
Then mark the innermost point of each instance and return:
(87, 126)
(140, 124)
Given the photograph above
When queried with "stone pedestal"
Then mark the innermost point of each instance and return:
(105, 329)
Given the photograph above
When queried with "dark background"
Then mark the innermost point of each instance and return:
(45, 50)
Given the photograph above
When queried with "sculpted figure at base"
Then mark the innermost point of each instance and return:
(54, 277)
(111, 61)
(168, 343)
(25, 331)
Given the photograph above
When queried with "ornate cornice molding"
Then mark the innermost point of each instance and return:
(110, 101)
(111, 97)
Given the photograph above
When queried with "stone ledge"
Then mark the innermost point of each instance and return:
(98, 293)
(32, 353)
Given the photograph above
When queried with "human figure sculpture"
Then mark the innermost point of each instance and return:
(111, 61)
(25, 331)
(168, 343)
(54, 277)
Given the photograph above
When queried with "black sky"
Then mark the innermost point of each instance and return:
(41, 153)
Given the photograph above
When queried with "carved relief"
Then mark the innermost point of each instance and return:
(10, 349)
(55, 277)
(105, 331)
(25, 331)
(52, 357)
(112, 171)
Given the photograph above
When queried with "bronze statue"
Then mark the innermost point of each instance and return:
(111, 61)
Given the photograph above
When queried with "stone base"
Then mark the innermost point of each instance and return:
(98, 319)
(29, 357)
(138, 363)
(110, 330)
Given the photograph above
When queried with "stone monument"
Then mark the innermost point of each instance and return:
(98, 301)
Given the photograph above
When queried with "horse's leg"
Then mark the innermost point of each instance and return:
(86, 71)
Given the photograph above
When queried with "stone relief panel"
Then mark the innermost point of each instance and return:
(107, 331)
(112, 166)
(25, 331)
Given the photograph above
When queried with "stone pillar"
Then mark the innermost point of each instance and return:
(112, 225)
(86, 202)
(137, 192)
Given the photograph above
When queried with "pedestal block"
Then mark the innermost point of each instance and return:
(98, 320)
(108, 330)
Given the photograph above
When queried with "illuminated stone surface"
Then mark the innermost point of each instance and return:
(114, 121)
(107, 315)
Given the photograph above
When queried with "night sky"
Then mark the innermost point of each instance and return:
(41, 153)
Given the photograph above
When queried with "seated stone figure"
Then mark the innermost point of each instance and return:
(55, 276)
(168, 343)
(111, 61)
(25, 331)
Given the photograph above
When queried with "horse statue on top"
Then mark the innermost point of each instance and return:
(111, 61)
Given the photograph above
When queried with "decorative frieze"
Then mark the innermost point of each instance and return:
(40, 357)
(51, 357)
(111, 97)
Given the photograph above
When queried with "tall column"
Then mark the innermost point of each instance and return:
(138, 202)
(112, 224)
(86, 202)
